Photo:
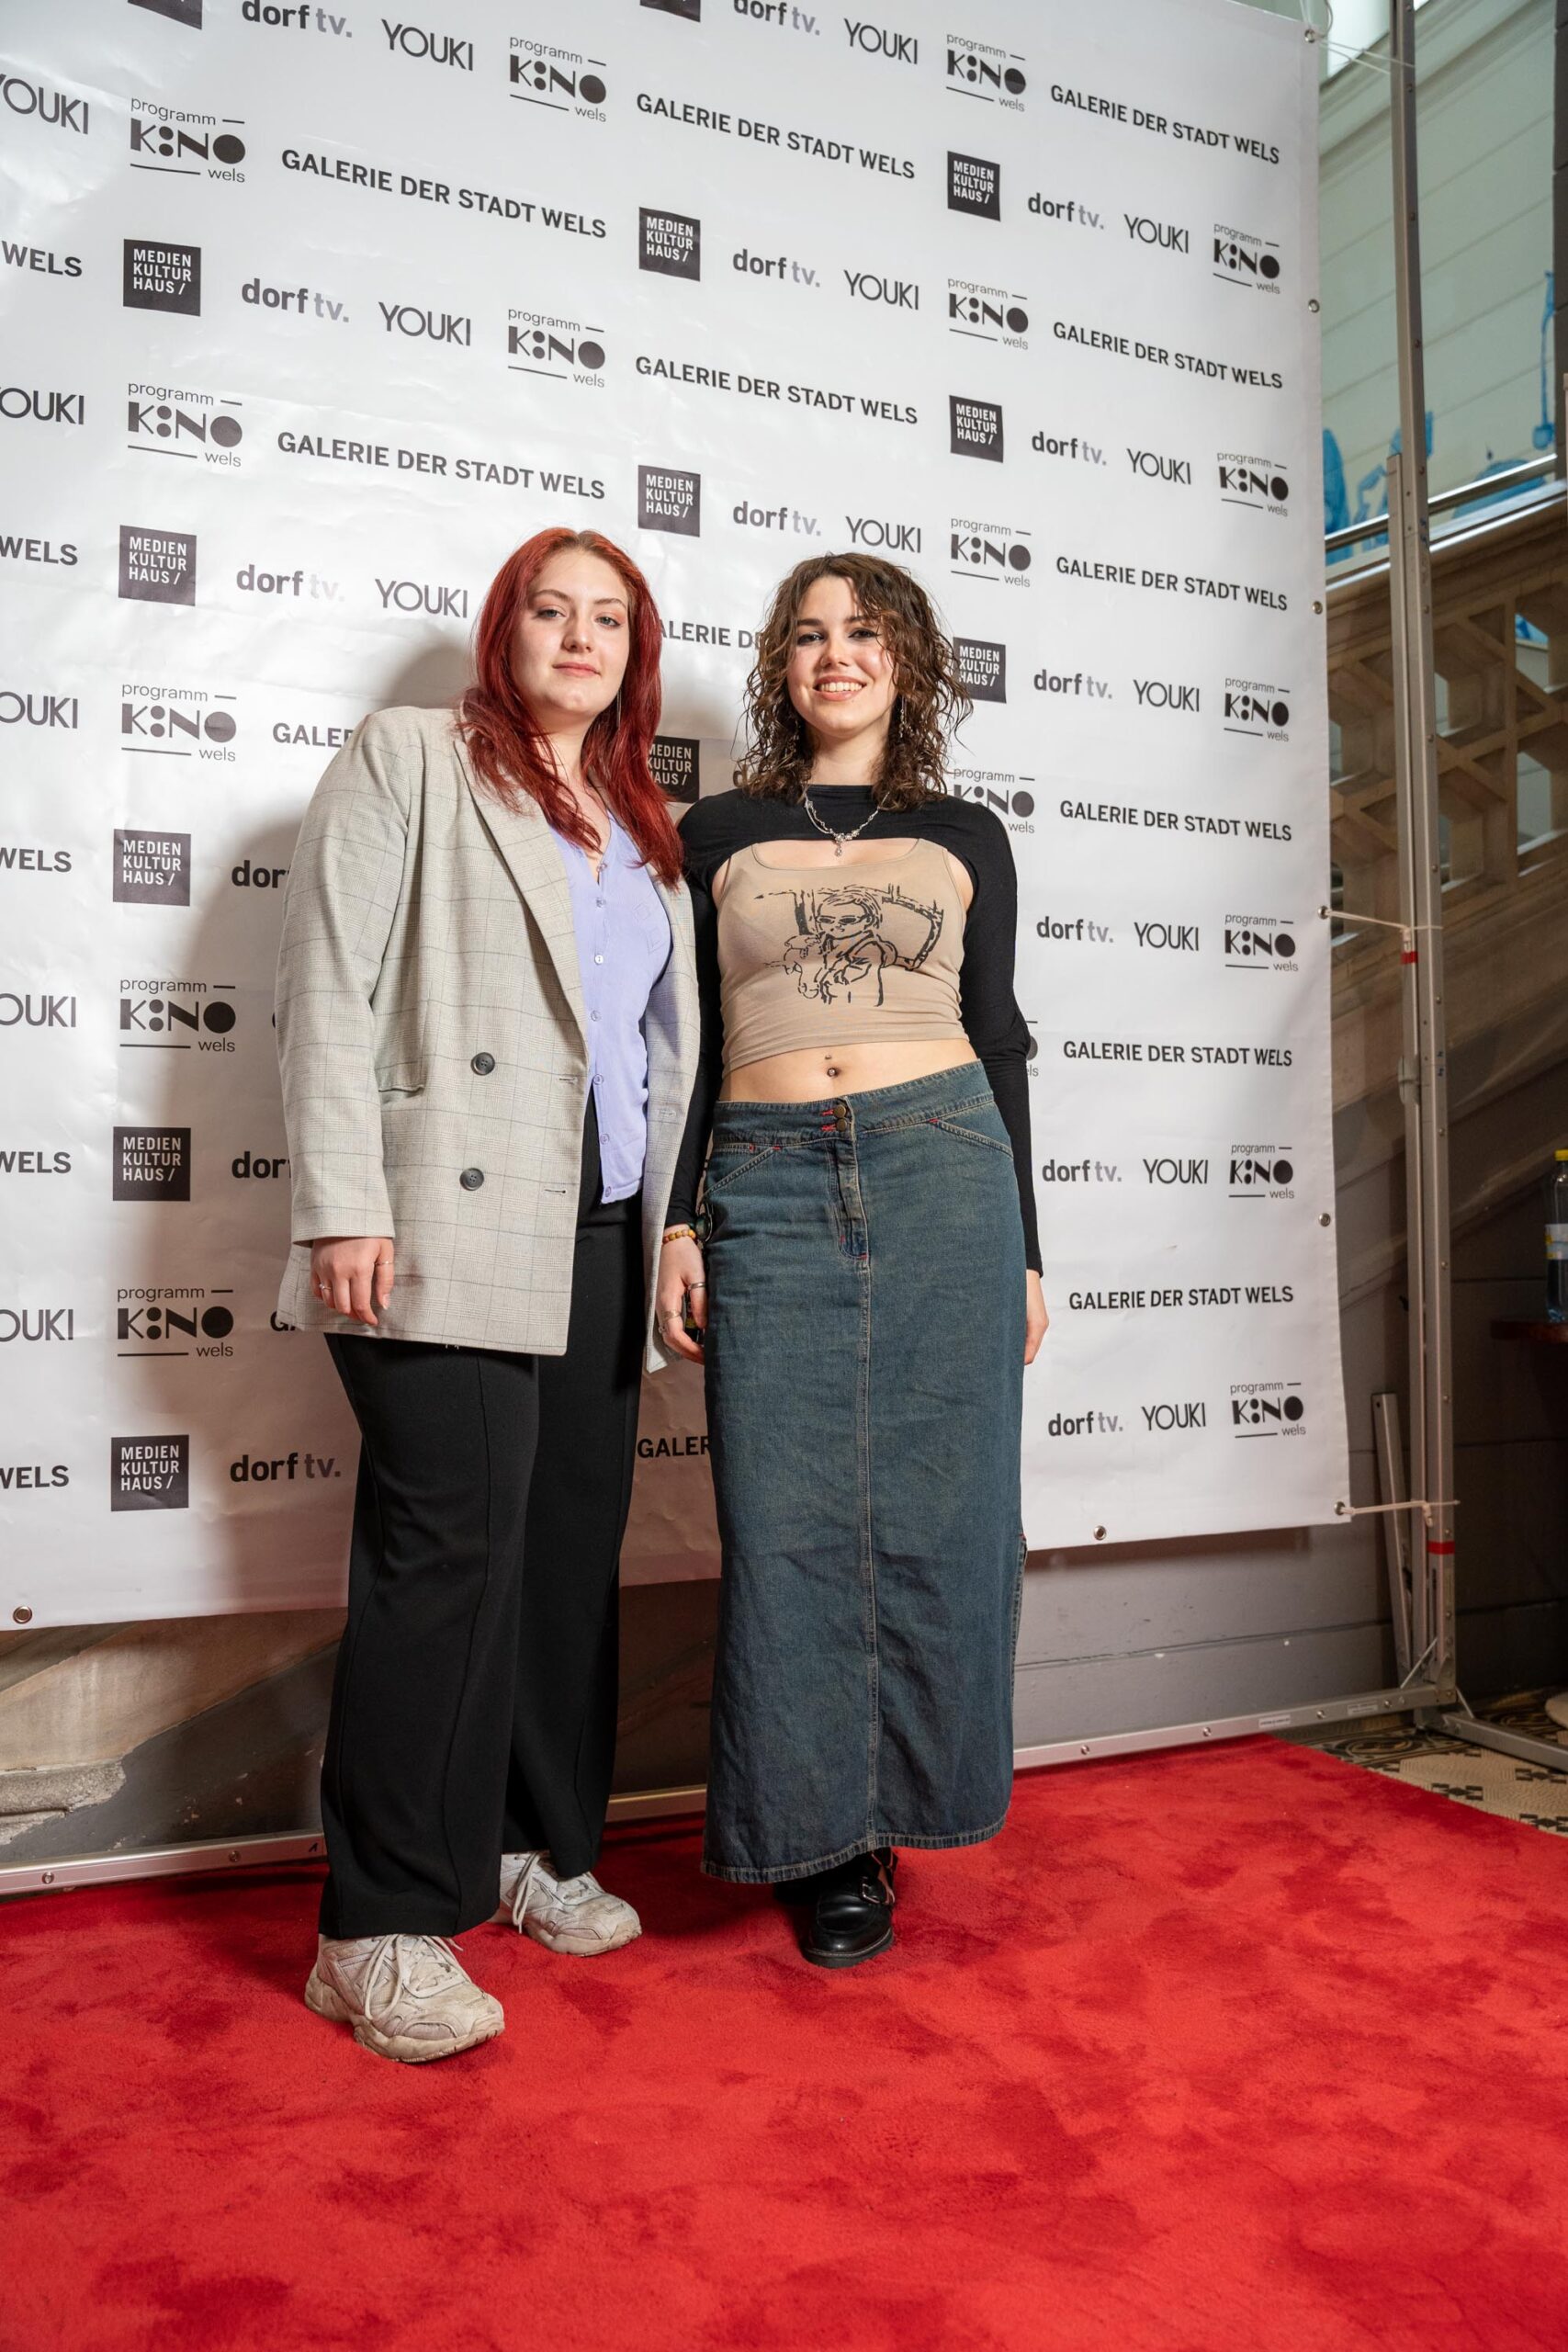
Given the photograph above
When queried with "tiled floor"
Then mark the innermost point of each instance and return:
(1396, 1746)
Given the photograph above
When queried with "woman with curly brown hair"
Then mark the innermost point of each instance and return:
(871, 1248)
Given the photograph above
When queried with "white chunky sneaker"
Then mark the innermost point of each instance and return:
(406, 1996)
(570, 1914)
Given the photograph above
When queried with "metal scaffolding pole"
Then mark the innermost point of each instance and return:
(1424, 1073)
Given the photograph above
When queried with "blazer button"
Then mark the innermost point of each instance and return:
(471, 1179)
(483, 1064)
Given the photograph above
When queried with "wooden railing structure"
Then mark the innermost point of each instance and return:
(1502, 708)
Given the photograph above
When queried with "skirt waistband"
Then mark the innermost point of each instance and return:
(867, 1109)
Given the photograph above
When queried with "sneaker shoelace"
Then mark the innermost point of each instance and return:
(416, 1965)
(549, 1887)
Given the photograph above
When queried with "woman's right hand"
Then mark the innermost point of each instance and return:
(353, 1276)
(680, 1272)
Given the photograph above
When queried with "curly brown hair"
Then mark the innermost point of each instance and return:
(929, 701)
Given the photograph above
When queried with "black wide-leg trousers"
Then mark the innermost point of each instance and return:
(473, 1710)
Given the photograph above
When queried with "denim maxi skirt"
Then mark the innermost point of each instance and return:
(864, 1388)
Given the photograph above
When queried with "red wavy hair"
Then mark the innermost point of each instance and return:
(504, 744)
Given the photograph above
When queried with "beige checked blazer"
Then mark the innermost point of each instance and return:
(433, 1038)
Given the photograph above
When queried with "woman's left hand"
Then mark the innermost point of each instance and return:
(1036, 1322)
(681, 1285)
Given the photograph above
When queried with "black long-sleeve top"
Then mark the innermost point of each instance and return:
(715, 828)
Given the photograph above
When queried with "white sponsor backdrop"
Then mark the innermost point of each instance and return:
(310, 314)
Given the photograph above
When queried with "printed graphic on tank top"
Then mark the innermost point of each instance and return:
(846, 938)
(812, 956)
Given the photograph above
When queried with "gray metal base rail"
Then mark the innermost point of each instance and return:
(656, 1805)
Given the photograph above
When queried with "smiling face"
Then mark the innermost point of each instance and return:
(844, 915)
(840, 675)
(569, 653)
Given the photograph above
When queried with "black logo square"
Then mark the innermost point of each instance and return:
(973, 185)
(691, 9)
(670, 242)
(976, 428)
(150, 1473)
(982, 669)
(182, 12)
(157, 567)
(670, 500)
(151, 1163)
(162, 278)
(151, 869)
(675, 762)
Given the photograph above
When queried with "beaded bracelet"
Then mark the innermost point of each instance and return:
(681, 1233)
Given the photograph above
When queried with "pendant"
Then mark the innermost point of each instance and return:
(838, 848)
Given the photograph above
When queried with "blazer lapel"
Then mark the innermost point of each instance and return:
(674, 895)
(672, 1023)
(532, 856)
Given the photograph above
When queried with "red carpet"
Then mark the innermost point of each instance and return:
(1236, 2048)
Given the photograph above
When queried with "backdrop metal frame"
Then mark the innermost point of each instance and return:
(1424, 1070)
(1420, 1557)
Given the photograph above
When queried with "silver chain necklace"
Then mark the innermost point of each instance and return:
(832, 833)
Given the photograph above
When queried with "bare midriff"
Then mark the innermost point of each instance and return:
(806, 1077)
(853, 1070)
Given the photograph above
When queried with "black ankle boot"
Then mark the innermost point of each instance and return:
(852, 1918)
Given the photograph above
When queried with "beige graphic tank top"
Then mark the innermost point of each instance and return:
(827, 956)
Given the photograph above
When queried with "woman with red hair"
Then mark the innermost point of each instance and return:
(487, 1018)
